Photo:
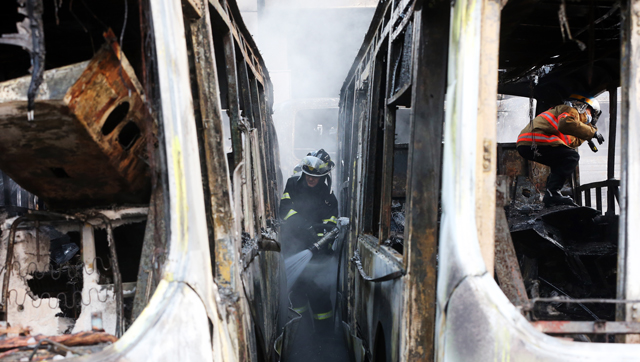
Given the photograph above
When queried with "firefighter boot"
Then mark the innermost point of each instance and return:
(552, 195)
(553, 198)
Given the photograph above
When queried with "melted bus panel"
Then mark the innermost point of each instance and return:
(117, 220)
(469, 204)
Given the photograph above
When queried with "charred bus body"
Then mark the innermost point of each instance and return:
(451, 255)
(134, 214)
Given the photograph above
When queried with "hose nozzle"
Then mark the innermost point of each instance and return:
(328, 236)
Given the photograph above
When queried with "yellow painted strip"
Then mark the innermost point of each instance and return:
(153, 308)
(182, 206)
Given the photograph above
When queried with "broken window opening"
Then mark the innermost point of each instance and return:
(128, 239)
(401, 63)
(400, 169)
(129, 134)
(561, 251)
(346, 144)
(373, 181)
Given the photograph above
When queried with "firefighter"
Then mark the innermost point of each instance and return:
(309, 209)
(552, 138)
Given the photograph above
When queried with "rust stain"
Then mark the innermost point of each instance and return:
(69, 156)
(550, 326)
(512, 164)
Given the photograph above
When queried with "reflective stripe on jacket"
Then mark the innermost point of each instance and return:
(302, 207)
(559, 126)
(316, 205)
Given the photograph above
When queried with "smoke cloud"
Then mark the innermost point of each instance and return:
(309, 47)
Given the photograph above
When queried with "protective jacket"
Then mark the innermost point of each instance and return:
(302, 207)
(559, 126)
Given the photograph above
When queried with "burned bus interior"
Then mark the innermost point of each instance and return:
(544, 257)
(84, 207)
(561, 252)
(79, 150)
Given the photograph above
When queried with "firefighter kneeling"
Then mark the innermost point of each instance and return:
(552, 138)
(309, 209)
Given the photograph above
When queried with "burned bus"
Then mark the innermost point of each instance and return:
(451, 255)
(137, 223)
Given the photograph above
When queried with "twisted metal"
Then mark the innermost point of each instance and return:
(117, 277)
(76, 297)
(40, 274)
(39, 216)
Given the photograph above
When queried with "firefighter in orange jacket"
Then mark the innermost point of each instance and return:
(552, 138)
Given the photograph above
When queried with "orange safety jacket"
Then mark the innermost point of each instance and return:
(559, 126)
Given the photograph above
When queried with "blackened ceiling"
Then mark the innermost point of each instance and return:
(537, 61)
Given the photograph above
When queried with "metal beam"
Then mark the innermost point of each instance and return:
(506, 261)
(486, 133)
(215, 163)
(611, 156)
(628, 250)
(598, 327)
(233, 96)
(430, 49)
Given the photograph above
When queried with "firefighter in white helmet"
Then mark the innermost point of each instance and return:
(309, 209)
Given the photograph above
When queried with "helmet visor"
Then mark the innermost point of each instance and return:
(314, 166)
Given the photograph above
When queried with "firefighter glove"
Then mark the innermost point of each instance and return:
(599, 137)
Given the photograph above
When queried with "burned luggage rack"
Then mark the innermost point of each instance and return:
(88, 144)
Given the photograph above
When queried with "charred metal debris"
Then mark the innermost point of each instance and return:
(557, 264)
(82, 237)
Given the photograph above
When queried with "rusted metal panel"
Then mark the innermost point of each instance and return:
(423, 186)
(597, 327)
(510, 163)
(220, 218)
(506, 262)
(88, 142)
